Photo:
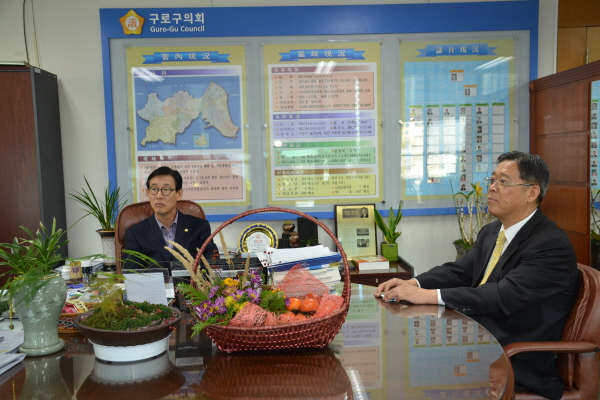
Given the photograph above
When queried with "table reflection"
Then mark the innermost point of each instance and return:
(383, 351)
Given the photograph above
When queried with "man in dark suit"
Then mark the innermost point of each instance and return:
(150, 236)
(524, 290)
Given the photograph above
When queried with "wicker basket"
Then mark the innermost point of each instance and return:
(314, 332)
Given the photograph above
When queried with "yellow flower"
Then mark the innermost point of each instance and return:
(230, 282)
(229, 301)
(478, 189)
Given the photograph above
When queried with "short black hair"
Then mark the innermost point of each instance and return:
(532, 169)
(166, 171)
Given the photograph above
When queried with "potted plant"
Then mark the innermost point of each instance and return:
(105, 211)
(34, 289)
(389, 247)
(472, 215)
(122, 330)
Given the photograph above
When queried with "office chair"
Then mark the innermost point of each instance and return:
(578, 350)
(137, 212)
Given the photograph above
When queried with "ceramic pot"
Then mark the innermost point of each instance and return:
(40, 316)
(108, 249)
(390, 251)
(127, 346)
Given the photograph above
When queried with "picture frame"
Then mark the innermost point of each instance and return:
(356, 230)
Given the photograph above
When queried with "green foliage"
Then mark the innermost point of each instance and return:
(104, 211)
(471, 214)
(389, 229)
(31, 259)
(112, 313)
(129, 316)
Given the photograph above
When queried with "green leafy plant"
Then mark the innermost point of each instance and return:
(115, 314)
(389, 229)
(31, 259)
(472, 215)
(105, 211)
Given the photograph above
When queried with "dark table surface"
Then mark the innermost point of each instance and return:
(382, 352)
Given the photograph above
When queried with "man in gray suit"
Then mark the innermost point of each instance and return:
(520, 288)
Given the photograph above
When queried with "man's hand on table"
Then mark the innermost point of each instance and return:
(409, 290)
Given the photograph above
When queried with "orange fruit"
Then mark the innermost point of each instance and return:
(313, 296)
(294, 304)
(309, 305)
(300, 317)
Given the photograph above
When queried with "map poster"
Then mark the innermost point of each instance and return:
(323, 113)
(187, 113)
(457, 101)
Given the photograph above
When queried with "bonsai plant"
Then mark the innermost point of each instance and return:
(105, 211)
(389, 247)
(34, 289)
(114, 323)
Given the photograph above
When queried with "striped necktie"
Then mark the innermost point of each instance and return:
(495, 256)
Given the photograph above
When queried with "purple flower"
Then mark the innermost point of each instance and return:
(286, 301)
(237, 295)
(203, 311)
(255, 279)
(254, 295)
(213, 292)
(219, 306)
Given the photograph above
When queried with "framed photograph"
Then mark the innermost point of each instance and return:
(355, 229)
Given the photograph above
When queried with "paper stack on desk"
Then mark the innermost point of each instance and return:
(322, 263)
(284, 259)
(9, 344)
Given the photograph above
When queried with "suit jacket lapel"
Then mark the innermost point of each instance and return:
(182, 234)
(155, 237)
(514, 244)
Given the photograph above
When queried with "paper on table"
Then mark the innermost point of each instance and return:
(11, 340)
(148, 287)
(282, 256)
(7, 361)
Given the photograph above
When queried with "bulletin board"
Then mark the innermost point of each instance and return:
(307, 107)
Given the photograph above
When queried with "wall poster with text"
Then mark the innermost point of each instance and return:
(457, 107)
(187, 112)
(323, 111)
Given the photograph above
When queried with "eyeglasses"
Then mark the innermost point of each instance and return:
(165, 191)
(503, 184)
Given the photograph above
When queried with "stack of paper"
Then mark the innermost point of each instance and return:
(284, 259)
(9, 344)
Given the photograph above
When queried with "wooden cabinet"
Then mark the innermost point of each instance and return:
(560, 133)
(577, 46)
(400, 269)
(31, 153)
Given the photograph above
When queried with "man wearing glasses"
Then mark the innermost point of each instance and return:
(150, 236)
(519, 281)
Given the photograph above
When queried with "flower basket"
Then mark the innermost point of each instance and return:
(313, 333)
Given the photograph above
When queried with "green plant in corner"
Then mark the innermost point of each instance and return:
(389, 230)
(105, 211)
(30, 260)
(471, 213)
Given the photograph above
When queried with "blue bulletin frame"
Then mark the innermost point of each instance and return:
(240, 22)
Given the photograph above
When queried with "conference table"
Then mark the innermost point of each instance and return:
(383, 351)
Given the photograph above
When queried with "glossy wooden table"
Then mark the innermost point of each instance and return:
(382, 352)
